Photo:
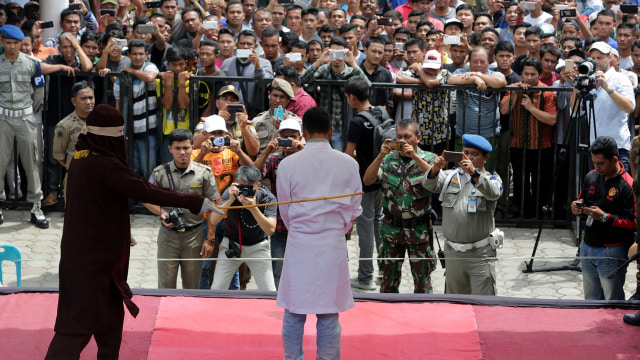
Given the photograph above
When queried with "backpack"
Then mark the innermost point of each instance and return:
(384, 127)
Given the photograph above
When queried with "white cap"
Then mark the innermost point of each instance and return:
(433, 60)
(614, 52)
(214, 123)
(601, 46)
(290, 124)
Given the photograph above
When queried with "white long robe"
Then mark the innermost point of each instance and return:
(315, 274)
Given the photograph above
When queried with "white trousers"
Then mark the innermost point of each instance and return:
(260, 269)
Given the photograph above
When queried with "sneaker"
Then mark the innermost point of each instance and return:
(37, 217)
(363, 285)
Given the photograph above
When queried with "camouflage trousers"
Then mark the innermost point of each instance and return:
(395, 243)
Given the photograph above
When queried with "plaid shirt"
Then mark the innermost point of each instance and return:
(332, 97)
(270, 172)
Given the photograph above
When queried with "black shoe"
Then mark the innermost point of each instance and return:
(636, 295)
(632, 319)
(1, 218)
(37, 217)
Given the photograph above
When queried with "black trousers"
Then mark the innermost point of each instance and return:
(69, 346)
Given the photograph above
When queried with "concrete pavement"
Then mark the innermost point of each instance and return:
(41, 254)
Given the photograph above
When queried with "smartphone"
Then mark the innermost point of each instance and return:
(568, 13)
(285, 2)
(121, 42)
(154, 4)
(629, 8)
(561, 7)
(235, 108)
(285, 142)
(75, 6)
(109, 12)
(210, 25)
(338, 54)
(243, 53)
(294, 57)
(396, 145)
(451, 40)
(221, 141)
(146, 29)
(568, 65)
(528, 5)
(452, 156)
(46, 25)
(580, 203)
(278, 113)
(384, 21)
(615, 8)
(399, 46)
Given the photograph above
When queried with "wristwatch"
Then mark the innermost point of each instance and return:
(475, 175)
(604, 218)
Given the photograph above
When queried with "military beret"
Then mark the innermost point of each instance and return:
(284, 86)
(477, 142)
(11, 32)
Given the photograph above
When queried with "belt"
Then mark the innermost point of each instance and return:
(470, 246)
(186, 228)
(16, 113)
(406, 223)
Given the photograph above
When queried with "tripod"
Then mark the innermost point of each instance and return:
(584, 102)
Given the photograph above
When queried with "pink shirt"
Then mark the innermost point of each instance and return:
(300, 103)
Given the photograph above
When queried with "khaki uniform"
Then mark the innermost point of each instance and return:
(66, 137)
(17, 105)
(467, 218)
(197, 179)
(265, 128)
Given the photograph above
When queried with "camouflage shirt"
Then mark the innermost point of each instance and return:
(401, 180)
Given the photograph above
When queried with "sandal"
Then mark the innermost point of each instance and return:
(50, 200)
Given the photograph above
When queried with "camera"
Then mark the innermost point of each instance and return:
(384, 21)
(175, 218)
(285, 142)
(109, 12)
(121, 42)
(210, 25)
(75, 7)
(46, 25)
(586, 79)
(338, 55)
(234, 250)
(154, 4)
(146, 29)
(568, 13)
(221, 141)
(246, 190)
(235, 108)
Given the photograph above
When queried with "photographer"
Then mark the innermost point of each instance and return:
(614, 100)
(247, 230)
(181, 234)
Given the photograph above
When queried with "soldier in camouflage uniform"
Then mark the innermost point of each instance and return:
(405, 226)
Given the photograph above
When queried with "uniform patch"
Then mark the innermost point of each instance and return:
(81, 154)
(152, 180)
(59, 133)
(612, 191)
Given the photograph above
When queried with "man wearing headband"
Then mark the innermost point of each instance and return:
(96, 238)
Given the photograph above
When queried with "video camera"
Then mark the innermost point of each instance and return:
(586, 79)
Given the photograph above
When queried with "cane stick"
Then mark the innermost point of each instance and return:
(288, 202)
(617, 270)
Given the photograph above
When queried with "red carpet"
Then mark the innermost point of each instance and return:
(222, 328)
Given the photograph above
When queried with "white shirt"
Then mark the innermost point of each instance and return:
(626, 62)
(610, 120)
(315, 273)
(544, 18)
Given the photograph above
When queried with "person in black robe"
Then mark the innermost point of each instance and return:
(96, 238)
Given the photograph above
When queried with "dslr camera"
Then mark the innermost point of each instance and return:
(234, 250)
(586, 79)
(175, 218)
(246, 190)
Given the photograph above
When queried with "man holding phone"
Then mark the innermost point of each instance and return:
(405, 203)
(469, 195)
(268, 122)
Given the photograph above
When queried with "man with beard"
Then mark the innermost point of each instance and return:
(95, 248)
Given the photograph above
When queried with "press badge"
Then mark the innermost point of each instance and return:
(472, 206)
(589, 221)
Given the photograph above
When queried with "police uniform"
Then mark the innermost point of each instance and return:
(21, 93)
(405, 226)
(197, 179)
(233, 129)
(265, 122)
(66, 137)
(468, 206)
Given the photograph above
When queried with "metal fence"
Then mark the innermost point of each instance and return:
(564, 171)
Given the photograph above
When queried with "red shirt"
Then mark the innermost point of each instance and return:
(300, 103)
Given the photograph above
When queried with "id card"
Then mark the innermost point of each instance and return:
(472, 206)
(589, 221)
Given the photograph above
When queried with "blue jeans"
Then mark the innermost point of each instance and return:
(595, 271)
(144, 157)
(328, 336)
(278, 245)
(368, 227)
(336, 141)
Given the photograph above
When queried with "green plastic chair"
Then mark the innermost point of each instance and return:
(11, 253)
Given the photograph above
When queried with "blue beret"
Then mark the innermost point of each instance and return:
(11, 32)
(476, 141)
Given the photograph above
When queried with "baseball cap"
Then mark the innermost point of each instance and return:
(290, 124)
(214, 123)
(228, 89)
(114, 2)
(454, 21)
(433, 60)
(601, 46)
